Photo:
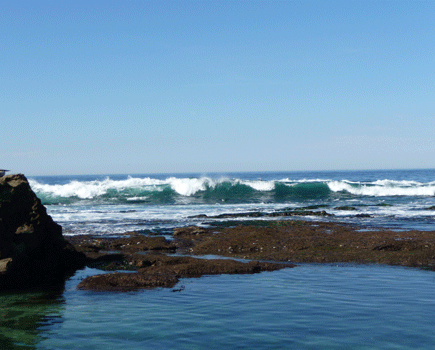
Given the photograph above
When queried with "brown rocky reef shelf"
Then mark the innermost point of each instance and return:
(300, 241)
(280, 242)
(165, 271)
(148, 264)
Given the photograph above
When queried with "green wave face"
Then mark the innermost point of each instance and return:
(223, 192)
(204, 190)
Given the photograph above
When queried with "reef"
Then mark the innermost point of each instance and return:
(165, 271)
(248, 248)
(149, 262)
(320, 242)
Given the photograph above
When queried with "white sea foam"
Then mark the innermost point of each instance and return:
(292, 181)
(259, 185)
(74, 188)
(382, 188)
(189, 186)
(137, 198)
(92, 189)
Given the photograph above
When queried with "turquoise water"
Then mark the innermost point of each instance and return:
(308, 307)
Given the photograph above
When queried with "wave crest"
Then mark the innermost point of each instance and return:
(207, 190)
(384, 188)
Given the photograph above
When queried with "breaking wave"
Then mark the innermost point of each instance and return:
(384, 188)
(197, 190)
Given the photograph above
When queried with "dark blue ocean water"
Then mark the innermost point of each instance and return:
(308, 307)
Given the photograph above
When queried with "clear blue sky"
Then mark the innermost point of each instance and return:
(97, 87)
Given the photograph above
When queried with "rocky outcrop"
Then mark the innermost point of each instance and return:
(164, 271)
(32, 248)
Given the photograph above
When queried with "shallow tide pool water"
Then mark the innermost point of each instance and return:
(312, 306)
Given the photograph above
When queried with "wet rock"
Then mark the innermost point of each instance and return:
(287, 212)
(132, 242)
(32, 248)
(254, 214)
(199, 216)
(139, 242)
(188, 231)
(118, 281)
(362, 216)
(345, 207)
(194, 267)
(320, 242)
(311, 207)
(4, 265)
(164, 271)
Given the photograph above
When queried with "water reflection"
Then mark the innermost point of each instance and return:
(25, 316)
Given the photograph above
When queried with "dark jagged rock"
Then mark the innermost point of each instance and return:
(32, 249)
(362, 216)
(298, 212)
(286, 212)
(311, 207)
(345, 207)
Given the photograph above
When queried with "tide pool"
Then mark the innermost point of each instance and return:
(312, 306)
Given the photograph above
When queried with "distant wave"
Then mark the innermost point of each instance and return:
(384, 188)
(208, 190)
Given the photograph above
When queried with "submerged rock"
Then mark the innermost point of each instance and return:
(32, 248)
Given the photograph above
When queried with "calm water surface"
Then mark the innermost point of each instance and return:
(308, 307)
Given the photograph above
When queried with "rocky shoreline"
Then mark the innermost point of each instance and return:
(33, 251)
(150, 262)
(260, 246)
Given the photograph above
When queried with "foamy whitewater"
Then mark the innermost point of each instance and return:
(112, 204)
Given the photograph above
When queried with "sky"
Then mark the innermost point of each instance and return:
(128, 87)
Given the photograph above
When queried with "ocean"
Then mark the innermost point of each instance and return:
(155, 204)
(312, 306)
